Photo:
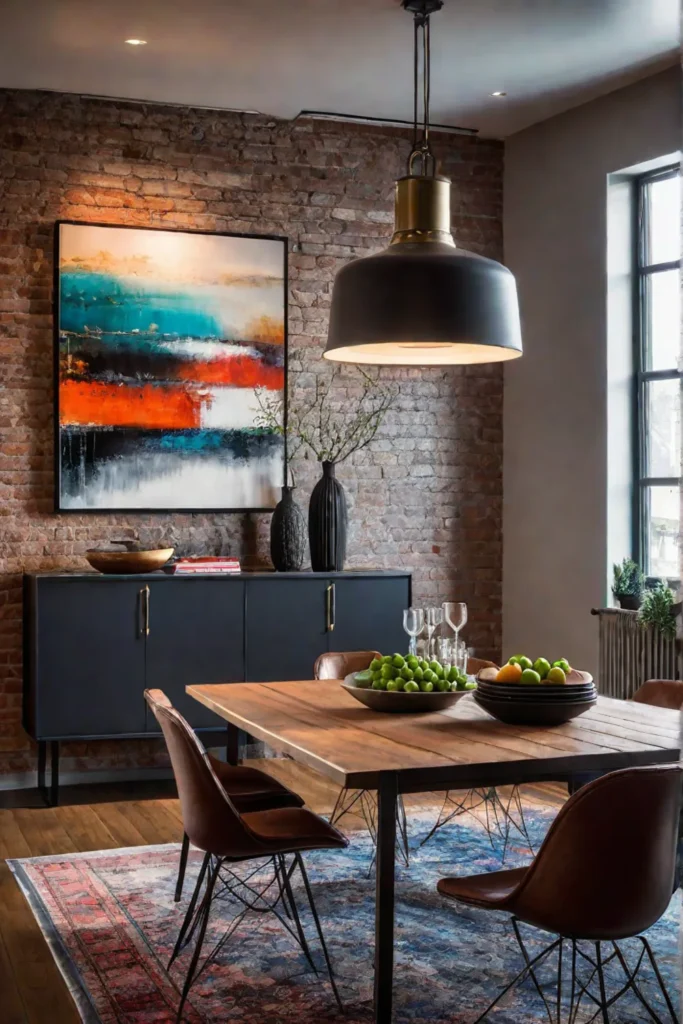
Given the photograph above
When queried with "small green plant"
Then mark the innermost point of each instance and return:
(657, 610)
(629, 580)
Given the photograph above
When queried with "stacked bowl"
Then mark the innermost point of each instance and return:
(542, 704)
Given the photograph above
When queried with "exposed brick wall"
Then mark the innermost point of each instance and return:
(426, 496)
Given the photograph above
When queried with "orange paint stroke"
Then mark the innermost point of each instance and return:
(239, 371)
(123, 405)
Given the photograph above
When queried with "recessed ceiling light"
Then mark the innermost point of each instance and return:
(136, 42)
(499, 93)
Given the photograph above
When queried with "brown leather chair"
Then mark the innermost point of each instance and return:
(214, 825)
(248, 788)
(661, 693)
(603, 873)
(338, 665)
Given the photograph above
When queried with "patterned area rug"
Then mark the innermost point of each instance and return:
(111, 923)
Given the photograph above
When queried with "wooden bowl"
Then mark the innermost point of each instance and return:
(574, 678)
(403, 703)
(126, 563)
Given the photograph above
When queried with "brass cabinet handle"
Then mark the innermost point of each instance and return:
(331, 607)
(146, 593)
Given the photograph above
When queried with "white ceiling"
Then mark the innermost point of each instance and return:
(348, 56)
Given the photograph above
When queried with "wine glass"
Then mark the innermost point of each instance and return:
(446, 653)
(455, 613)
(433, 618)
(413, 623)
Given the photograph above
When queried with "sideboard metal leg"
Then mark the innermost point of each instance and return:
(42, 763)
(54, 773)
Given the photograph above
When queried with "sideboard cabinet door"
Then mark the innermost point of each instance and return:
(196, 635)
(369, 614)
(286, 627)
(89, 660)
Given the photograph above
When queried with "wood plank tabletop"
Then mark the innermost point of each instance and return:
(321, 725)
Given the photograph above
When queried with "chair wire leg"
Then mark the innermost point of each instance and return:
(311, 901)
(184, 850)
(530, 966)
(180, 941)
(518, 978)
(658, 975)
(601, 982)
(631, 975)
(559, 981)
(295, 914)
(204, 915)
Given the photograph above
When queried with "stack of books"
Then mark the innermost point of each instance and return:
(204, 564)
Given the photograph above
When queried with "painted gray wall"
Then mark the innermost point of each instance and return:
(556, 396)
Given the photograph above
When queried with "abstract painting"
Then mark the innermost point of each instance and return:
(163, 342)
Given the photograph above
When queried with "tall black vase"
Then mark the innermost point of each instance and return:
(327, 523)
(287, 534)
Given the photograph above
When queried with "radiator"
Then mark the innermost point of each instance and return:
(631, 653)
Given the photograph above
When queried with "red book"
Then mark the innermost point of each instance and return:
(205, 564)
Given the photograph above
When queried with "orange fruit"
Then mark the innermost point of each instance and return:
(509, 674)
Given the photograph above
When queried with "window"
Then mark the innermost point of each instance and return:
(658, 372)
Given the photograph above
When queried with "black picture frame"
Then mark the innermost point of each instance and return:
(57, 468)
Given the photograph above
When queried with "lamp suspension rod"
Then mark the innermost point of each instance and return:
(421, 10)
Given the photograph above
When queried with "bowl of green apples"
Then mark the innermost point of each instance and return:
(405, 684)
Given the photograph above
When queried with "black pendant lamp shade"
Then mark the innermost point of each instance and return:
(422, 301)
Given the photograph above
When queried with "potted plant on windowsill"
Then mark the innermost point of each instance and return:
(659, 610)
(628, 584)
(331, 414)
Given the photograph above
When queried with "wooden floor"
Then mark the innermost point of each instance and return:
(106, 817)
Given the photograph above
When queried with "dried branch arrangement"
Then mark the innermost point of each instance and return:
(319, 420)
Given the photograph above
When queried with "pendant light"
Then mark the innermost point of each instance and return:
(422, 301)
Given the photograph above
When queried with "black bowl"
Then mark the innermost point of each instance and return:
(402, 703)
(527, 713)
(536, 694)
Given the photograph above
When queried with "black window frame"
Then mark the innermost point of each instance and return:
(642, 271)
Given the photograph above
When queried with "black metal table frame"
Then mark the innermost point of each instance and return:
(391, 783)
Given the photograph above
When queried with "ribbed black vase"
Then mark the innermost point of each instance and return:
(327, 523)
(287, 534)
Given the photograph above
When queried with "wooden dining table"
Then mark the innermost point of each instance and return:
(319, 724)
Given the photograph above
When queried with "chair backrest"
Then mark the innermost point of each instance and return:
(606, 867)
(475, 665)
(339, 664)
(661, 693)
(210, 819)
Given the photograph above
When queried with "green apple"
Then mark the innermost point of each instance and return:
(530, 677)
(388, 671)
(375, 664)
(424, 665)
(429, 676)
(524, 662)
(380, 683)
(418, 675)
(556, 675)
(411, 687)
(426, 686)
(398, 661)
(563, 664)
(407, 673)
(542, 666)
(392, 685)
